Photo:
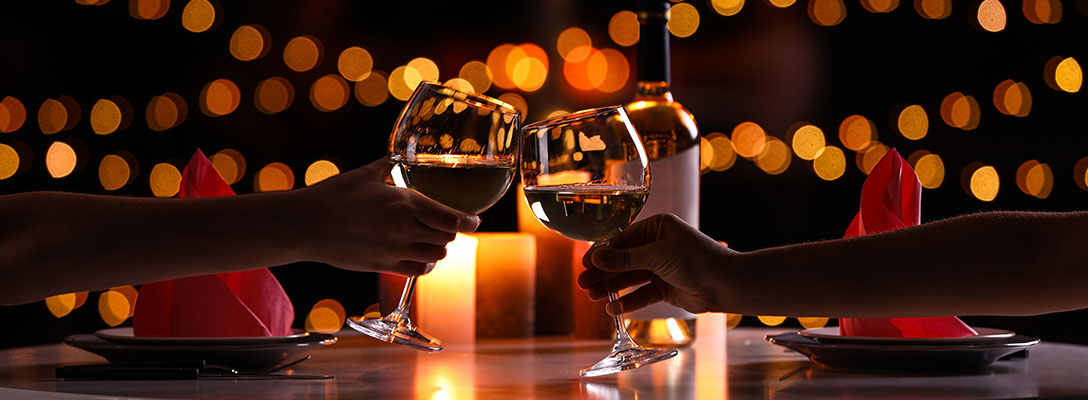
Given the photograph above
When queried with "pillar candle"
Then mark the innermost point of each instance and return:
(590, 319)
(505, 271)
(553, 307)
(446, 297)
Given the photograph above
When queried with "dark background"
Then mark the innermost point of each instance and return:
(767, 65)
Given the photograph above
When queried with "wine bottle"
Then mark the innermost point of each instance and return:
(671, 139)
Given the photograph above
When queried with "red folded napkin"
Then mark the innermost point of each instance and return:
(891, 198)
(247, 303)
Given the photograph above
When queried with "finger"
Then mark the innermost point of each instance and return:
(613, 259)
(592, 277)
(423, 252)
(410, 268)
(618, 283)
(646, 231)
(640, 298)
(441, 217)
(378, 168)
(425, 234)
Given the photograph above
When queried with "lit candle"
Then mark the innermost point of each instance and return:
(553, 308)
(711, 373)
(590, 319)
(446, 297)
(505, 272)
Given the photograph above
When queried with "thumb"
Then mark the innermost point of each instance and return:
(619, 260)
(378, 168)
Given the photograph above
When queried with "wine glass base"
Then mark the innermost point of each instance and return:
(627, 359)
(398, 332)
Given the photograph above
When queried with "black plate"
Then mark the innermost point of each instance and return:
(903, 357)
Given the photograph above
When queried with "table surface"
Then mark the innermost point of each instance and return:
(737, 364)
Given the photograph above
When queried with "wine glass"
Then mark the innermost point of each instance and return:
(458, 148)
(587, 176)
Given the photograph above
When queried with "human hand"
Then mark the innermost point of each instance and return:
(362, 223)
(682, 265)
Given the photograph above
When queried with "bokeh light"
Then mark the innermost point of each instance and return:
(354, 63)
(618, 71)
(623, 28)
(724, 153)
(274, 177)
(880, 6)
(60, 159)
(727, 8)
(114, 172)
(984, 183)
(1012, 98)
(165, 180)
(527, 66)
(856, 132)
(303, 53)
(166, 111)
(826, 12)
(477, 74)
(1066, 74)
(320, 170)
(732, 320)
(807, 141)
(250, 42)
(1042, 11)
(71, 107)
(230, 164)
(420, 69)
(92, 2)
(147, 9)
(960, 111)
(1080, 173)
(830, 163)
(573, 44)
(991, 15)
(373, 90)
(273, 95)
(327, 316)
(12, 114)
(933, 9)
(813, 322)
(219, 98)
(775, 156)
(683, 20)
(587, 74)
(329, 93)
(52, 116)
(928, 167)
(9, 161)
(771, 320)
(496, 61)
(518, 102)
(748, 139)
(1035, 179)
(63, 304)
(198, 16)
(913, 122)
(105, 117)
(113, 307)
(460, 84)
(781, 3)
(868, 157)
(398, 86)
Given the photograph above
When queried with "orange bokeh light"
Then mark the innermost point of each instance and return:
(219, 98)
(329, 93)
(148, 9)
(303, 53)
(12, 114)
(274, 177)
(826, 12)
(856, 132)
(250, 42)
(748, 139)
(273, 95)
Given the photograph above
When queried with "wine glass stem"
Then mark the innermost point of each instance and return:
(623, 339)
(401, 313)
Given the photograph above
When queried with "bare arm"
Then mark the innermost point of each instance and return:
(55, 242)
(999, 263)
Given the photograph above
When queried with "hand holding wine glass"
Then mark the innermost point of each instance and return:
(587, 176)
(459, 149)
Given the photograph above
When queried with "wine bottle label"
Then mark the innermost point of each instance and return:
(674, 188)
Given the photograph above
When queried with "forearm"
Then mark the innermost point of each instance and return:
(61, 242)
(984, 264)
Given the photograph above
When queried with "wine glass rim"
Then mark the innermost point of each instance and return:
(574, 117)
(476, 99)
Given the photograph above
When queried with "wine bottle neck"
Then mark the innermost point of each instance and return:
(653, 43)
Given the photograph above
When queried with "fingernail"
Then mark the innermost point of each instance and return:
(468, 223)
(430, 267)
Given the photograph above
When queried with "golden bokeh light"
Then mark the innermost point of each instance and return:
(856, 132)
(1080, 173)
(1042, 11)
(373, 90)
(1012, 98)
(960, 111)
(771, 320)
(166, 111)
(113, 307)
(748, 139)
(274, 177)
(573, 44)
(52, 116)
(12, 114)
(72, 109)
(706, 154)
(830, 163)
(1067, 75)
(92, 2)
(618, 71)
(9, 161)
(105, 117)
(198, 16)
(60, 159)
(991, 15)
(1035, 179)
(587, 74)
(984, 183)
(420, 69)
(813, 322)
(781, 3)
(130, 294)
(250, 42)
(807, 142)
(775, 156)
(724, 156)
(826, 12)
(329, 93)
(148, 9)
(303, 53)
(320, 170)
(230, 164)
(165, 180)
(63, 304)
(727, 8)
(732, 320)
(354, 63)
(273, 95)
(219, 98)
(496, 62)
(623, 28)
(518, 102)
(868, 157)
(114, 172)
(683, 19)
(928, 167)
(327, 316)
(879, 6)
(913, 122)
(556, 113)
(477, 74)
(460, 84)
(933, 9)
(398, 86)
(527, 66)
